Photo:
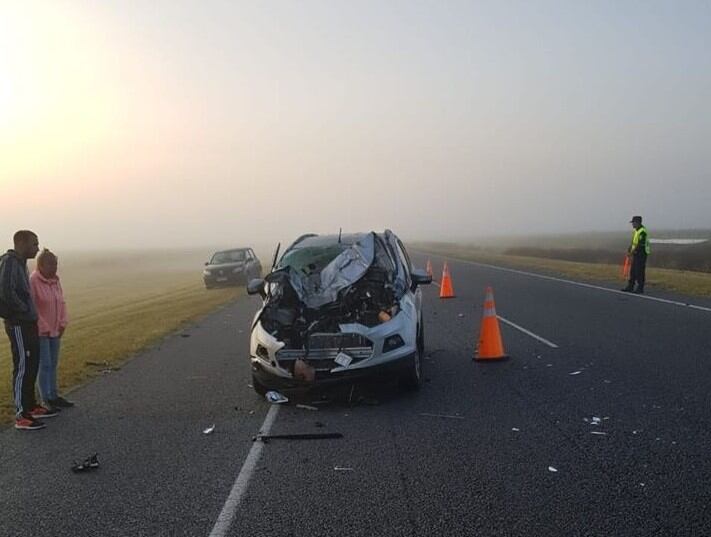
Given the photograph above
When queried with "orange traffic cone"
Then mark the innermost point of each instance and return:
(490, 346)
(429, 268)
(445, 287)
(625, 272)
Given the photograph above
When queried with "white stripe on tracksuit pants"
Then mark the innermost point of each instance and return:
(21, 367)
(24, 342)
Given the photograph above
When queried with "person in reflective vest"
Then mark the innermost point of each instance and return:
(638, 252)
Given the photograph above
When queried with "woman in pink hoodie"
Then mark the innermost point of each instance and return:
(51, 321)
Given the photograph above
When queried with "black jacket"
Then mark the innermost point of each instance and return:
(15, 289)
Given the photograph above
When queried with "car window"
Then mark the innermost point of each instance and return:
(228, 257)
(404, 258)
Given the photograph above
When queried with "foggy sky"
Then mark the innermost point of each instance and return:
(131, 124)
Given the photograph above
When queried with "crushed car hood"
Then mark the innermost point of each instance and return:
(344, 270)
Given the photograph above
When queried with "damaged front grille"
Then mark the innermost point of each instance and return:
(324, 348)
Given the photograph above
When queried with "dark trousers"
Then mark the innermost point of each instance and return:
(637, 271)
(24, 342)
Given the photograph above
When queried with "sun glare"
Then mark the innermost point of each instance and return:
(54, 101)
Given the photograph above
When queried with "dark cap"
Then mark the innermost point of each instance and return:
(636, 219)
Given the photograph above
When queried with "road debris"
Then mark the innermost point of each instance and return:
(460, 315)
(515, 429)
(97, 364)
(90, 463)
(575, 373)
(209, 430)
(275, 397)
(184, 335)
(306, 407)
(300, 436)
(600, 433)
(448, 416)
(551, 469)
(342, 469)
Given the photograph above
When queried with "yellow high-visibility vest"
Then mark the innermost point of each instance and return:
(640, 236)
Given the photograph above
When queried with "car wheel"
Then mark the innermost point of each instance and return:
(412, 377)
(258, 387)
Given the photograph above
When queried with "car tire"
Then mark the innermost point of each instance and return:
(259, 388)
(412, 378)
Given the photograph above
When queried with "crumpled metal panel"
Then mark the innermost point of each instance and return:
(346, 269)
(400, 283)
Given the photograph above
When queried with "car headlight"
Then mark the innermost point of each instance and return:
(206, 272)
(393, 342)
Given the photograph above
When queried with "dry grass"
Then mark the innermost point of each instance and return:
(685, 282)
(118, 305)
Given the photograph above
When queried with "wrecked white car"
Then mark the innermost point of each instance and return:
(338, 307)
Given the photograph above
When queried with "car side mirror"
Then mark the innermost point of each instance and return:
(207, 263)
(256, 287)
(420, 277)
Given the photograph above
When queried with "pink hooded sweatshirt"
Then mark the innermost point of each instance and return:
(49, 300)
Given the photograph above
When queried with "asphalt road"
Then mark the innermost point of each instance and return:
(480, 466)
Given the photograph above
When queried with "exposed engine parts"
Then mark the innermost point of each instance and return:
(371, 298)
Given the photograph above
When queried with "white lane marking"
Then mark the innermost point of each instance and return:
(528, 332)
(581, 284)
(227, 515)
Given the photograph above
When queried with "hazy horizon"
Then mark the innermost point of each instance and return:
(179, 124)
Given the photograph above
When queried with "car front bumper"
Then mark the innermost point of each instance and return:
(227, 278)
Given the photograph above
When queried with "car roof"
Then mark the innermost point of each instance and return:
(233, 250)
(315, 241)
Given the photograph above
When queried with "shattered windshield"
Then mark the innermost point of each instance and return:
(311, 259)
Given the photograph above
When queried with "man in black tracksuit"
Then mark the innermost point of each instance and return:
(21, 327)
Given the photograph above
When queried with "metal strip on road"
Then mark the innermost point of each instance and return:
(528, 332)
(227, 515)
(581, 284)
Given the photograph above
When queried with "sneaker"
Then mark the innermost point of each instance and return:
(43, 412)
(28, 424)
(60, 402)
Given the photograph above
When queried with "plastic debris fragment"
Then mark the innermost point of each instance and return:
(306, 407)
(209, 430)
(601, 433)
(275, 397)
(342, 469)
(551, 469)
(449, 416)
(90, 463)
(574, 373)
(516, 429)
(303, 436)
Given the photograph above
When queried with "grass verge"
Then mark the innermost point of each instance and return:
(115, 313)
(679, 281)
